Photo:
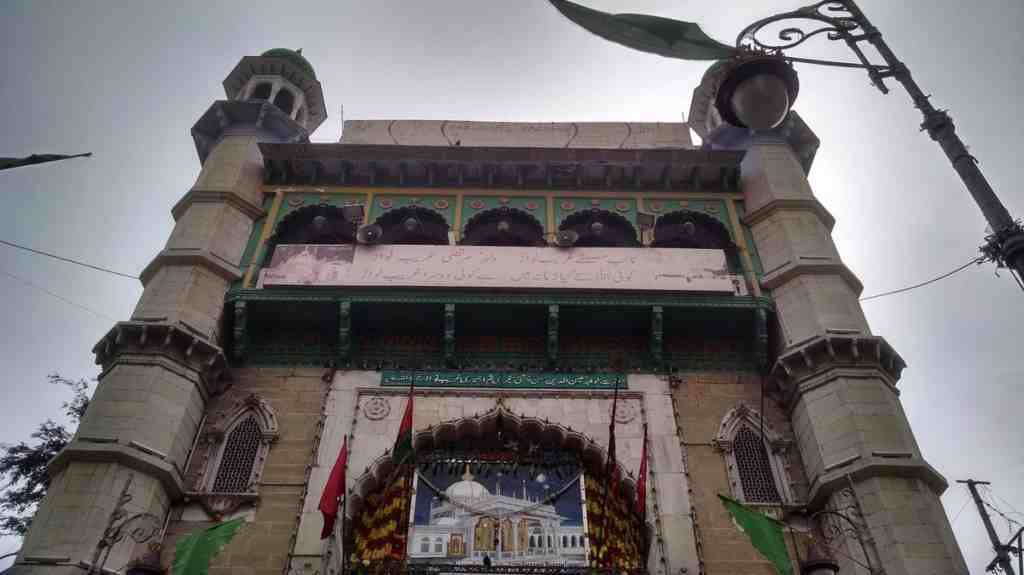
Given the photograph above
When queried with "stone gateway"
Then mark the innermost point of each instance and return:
(535, 290)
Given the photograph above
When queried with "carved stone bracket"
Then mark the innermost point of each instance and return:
(241, 332)
(552, 339)
(344, 332)
(830, 351)
(449, 334)
(174, 341)
(221, 505)
(657, 334)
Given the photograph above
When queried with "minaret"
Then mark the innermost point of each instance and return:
(160, 367)
(836, 379)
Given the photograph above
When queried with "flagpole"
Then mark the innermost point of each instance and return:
(344, 512)
(609, 477)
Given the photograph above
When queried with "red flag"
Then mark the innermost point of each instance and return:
(333, 491)
(641, 484)
(403, 443)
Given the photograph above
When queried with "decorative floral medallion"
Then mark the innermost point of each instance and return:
(531, 205)
(477, 204)
(568, 206)
(503, 201)
(625, 412)
(595, 203)
(415, 201)
(376, 408)
(655, 207)
(386, 203)
(622, 206)
(441, 204)
(295, 201)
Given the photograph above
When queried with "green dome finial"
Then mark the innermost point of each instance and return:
(293, 56)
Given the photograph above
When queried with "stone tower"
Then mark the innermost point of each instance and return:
(160, 367)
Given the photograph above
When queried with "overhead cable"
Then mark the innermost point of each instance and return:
(974, 261)
(68, 260)
(98, 314)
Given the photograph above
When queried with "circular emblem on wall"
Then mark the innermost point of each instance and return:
(655, 207)
(295, 201)
(503, 201)
(477, 204)
(385, 203)
(622, 206)
(441, 204)
(376, 408)
(595, 203)
(415, 200)
(625, 412)
(531, 205)
(567, 206)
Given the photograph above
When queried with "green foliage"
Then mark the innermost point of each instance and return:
(23, 465)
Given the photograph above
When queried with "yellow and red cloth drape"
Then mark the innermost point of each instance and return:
(613, 528)
(381, 527)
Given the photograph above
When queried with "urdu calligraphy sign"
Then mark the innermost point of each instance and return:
(503, 380)
(621, 269)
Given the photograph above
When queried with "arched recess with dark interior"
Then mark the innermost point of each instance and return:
(413, 225)
(503, 226)
(261, 91)
(695, 230)
(319, 224)
(601, 229)
(284, 100)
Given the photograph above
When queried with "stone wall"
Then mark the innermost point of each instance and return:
(702, 401)
(262, 546)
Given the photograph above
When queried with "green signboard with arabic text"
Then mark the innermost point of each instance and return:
(504, 380)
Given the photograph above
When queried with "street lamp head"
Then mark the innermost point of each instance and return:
(758, 92)
(818, 563)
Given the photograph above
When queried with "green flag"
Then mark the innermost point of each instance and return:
(661, 36)
(192, 555)
(8, 163)
(764, 532)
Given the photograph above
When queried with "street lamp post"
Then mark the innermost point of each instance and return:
(843, 20)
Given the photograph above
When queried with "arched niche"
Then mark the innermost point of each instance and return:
(502, 427)
(503, 226)
(413, 225)
(601, 229)
(316, 224)
(695, 230)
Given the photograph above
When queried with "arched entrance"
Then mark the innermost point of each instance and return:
(496, 493)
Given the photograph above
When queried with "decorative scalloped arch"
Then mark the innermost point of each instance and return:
(524, 227)
(550, 434)
(433, 228)
(619, 231)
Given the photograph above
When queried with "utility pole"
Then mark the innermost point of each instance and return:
(1002, 557)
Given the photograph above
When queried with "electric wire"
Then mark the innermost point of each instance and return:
(974, 261)
(98, 314)
(68, 260)
(962, 507)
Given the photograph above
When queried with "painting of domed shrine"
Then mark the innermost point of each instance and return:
(498, 515)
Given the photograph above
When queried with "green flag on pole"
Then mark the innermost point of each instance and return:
(764, 532)
(661, 36)
(192, 555)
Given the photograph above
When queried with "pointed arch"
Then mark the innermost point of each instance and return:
(237, 448)
(755, 456)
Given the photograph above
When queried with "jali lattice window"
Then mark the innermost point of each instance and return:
(754, 468)
(241, 448)
(755, 462)
(238, 447)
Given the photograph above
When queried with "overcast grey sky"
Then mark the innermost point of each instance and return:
(126, 80)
